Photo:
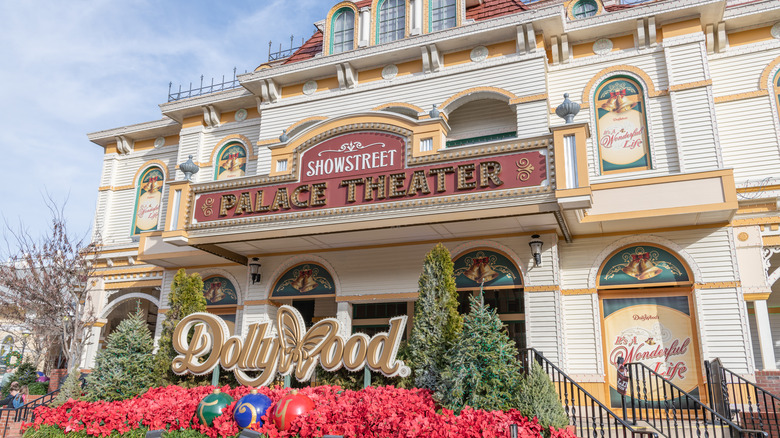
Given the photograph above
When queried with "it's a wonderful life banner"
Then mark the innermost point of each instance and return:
(257, 357)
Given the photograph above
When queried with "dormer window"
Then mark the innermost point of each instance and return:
(585, 8)
(391, 22)
(442, 14)
(343, 31)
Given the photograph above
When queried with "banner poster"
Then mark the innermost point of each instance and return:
(655, 331)
(620, 121)
(147, 203)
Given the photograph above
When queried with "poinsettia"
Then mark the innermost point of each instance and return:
(373, 412)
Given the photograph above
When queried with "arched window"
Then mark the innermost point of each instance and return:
(231, 161)
(442, 14)
(621, 125)
(501, 284)
(391, 21)
(342, 31)
(584, 9)
(148, 200)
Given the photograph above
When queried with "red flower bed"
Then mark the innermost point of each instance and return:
(371, 413)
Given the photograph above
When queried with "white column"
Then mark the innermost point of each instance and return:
(344, 315)
(765, 335)
(417, 17)
(365, 27)
(91, 349)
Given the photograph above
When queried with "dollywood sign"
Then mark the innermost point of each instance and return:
(291, 350)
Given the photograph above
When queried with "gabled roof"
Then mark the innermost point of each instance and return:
(495, 8)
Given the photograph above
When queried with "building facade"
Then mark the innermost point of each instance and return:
(637, 218)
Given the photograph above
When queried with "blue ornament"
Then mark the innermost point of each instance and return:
(250, 408)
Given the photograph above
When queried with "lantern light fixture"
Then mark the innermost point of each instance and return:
(536, 249)
(254, 268)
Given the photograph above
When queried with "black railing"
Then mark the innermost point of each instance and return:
(746, 403)
(203, 89)
(674, 412)
(282, 53)
(589, 416)
(13, 417)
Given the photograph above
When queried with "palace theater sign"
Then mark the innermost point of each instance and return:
(366, 168)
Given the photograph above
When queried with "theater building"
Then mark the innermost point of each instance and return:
(638, 217)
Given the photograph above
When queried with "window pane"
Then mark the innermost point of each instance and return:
(505, 300)
(343, 31)
(392, 17)
(443, 14)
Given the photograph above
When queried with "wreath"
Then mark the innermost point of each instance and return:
(7, 359)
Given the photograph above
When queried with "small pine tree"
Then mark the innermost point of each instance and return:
(437, 322)
(71, 387)
(125, 367)
(186, 297)
(482, 370)
(537, 398)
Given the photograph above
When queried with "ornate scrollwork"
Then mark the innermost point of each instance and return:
(207, 207)
(524, 169)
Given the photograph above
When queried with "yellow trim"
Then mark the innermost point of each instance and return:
(757, 208)
(190, 122)
(292, 90)
(329, 23)
(755, 221)
(663, 179)
(750, 36)
(771, 240)
(756, 297)
(581, 191)
(691, 85)
(139, 283)
(616, 70)
(741, 96)
(588, 291)
(262, 303)
(680, 28)
(138, 270)
(764, 82)
(581, 135)
(372, 297)
(530, 98)
(502, 49)
(184, 187)
(491, 90)
(718, 285)
(549, 288)
(97, 324)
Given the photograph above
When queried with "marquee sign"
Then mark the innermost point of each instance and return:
(292, 350)
(365, 168)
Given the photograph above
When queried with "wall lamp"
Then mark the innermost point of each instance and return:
(254, 268)
(536, 249)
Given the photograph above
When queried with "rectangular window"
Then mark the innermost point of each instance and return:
(378, 310)
(426, 145)
(443, 14)
(392, 20)
(570, 157)
(281, 165)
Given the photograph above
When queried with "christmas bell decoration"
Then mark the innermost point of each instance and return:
(647, 268)
(212, 406)
(480, 271)
(290, 407)
(623, 102)
(304, 282)
(250, 409)
(610, 104)
(633, 267)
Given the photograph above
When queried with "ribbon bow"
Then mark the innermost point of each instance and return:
(617, 93)
(306, 273)
(638, 257)
(481, 261)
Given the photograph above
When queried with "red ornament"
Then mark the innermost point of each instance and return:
(290, 407)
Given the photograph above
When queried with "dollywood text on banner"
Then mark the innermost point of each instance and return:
(292, 349)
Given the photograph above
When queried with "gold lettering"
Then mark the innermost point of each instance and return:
(227, 202)
(355, 350)
(259, 207)
(396, 183)
(202, 341)
(351, 184)
(419, 183)
(383, 348)
(231, 352)
(318, 194)
(441, 181)
(244, 204)
(296, 201)
(370, 186)
(250, 344)
(465, 172)
(489, 171)
(281, 200)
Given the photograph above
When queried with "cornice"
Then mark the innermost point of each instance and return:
(146, 128)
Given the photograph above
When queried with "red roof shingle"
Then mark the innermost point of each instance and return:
(495, 8)
(308, 50)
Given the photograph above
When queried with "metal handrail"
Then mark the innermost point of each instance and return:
(673, 411)
(24, 413)
(766, 404)
(588, 415)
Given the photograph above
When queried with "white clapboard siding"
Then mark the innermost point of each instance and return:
(722, 328)
(543, 323)
(738, 71)
(521, 78)
(532, 119)
(748, 138)
(190, 140)
(686, 62)
(695, 129)
(579, 324)
(480, 118)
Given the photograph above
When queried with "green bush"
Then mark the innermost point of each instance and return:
(38, 388)
(25, 374)
(537, 398)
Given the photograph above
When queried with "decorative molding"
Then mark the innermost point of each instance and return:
(767, 254)
(530, 98)
(756, 297)
(718, 285)
(691, 85)
(549, 288)
(741, 96)
(398, 105)
(491, 91)
(587, 291)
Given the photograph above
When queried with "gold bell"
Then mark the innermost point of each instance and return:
(474, 271)
(610, 104)
(623, 103)
(298, 282)
(647, 268)
(487, 273)
(633, 267)
(309, 284)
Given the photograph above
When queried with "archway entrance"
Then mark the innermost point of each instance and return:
(502, 287)
(648, 317)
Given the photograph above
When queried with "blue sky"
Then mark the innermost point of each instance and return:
(73, 67)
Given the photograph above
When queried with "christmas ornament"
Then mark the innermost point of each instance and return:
(290, 407)
(211, 406)
(250, 408)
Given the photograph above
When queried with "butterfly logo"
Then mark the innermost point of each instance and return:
(299, 347)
